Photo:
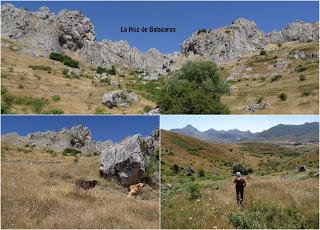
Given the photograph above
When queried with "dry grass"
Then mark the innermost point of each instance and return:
(78, 96)
(249, 90)
(38, 193)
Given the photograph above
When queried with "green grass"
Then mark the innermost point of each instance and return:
(190, 149)
(269, 216)
(41, 67)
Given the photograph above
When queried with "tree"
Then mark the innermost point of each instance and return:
(194, 89)
(237, 167)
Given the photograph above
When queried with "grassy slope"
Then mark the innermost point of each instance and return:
(41, 194)
(78, 96)
(290, 84)
(83, 96)
(280, 190)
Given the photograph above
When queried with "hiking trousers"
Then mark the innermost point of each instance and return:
(239, 193)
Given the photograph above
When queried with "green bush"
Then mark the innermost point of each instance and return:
(147, 108)
(100, 110)
(194, 89)
(66, 60)
(202, 31)
(111, 71)
(260, 99)
(283, 96)
(106, 80)
(237, 167)
(301, 68)
(71, 152)
(175, 168)
(306, 93)
(56, 98)
(193, 191)
(276, 77)
(302, 77)
(201, 173)
(54, 111)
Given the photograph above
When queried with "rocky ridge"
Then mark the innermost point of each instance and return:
(42, 32)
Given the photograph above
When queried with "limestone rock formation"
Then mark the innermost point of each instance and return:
(126, 161)
(77, 137)
(119, 98)
(227, 43)
(296, 31)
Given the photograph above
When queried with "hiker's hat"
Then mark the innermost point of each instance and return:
(238, 174)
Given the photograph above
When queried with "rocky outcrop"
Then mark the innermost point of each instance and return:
(296, 31)
(227, 43)
(126, 161)
(119, 98)
(77, 137)
(43, 32)
(255, 107)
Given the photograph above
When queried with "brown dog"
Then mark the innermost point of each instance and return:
(135, 189)
(86, 185)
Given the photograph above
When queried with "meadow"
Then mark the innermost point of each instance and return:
(38, 191)
(197, 188)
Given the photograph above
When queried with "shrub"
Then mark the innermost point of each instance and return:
(71, 63)
(237, 167)
(301, 68)
(263, 52)
(260, 99)
(66, 60)
(193, 191)
(175, 168)
(201, 173)
(100, 110)
(111, 71)
(147, 108)
(202, 31)
(194, 89)
(306, 93)
(38, 104)
(56, 98)
(283, 96)
(276, 77)
(54, 111)
(71, 152)
(302, 77)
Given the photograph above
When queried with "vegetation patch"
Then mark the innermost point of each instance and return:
(41, 67)
(194, 89)
(66, 60)
(71, 152)
(269, 216)
(111, 71)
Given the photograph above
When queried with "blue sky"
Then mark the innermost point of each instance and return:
(186, 17)
(256, 123)
(113, 128)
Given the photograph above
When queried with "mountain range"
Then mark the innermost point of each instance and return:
(305, 133)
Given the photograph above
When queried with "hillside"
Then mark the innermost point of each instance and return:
(197, 189)
(273, 73)
(290, 134)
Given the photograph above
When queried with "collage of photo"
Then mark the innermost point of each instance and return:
(159, 115)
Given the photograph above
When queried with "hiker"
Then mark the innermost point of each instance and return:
(240, 184)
